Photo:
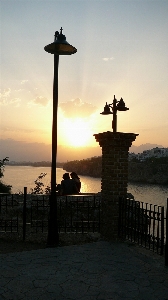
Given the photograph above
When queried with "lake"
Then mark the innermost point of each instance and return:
(24, 176)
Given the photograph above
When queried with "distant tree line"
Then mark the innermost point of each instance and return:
(89, 167)
(152, 170)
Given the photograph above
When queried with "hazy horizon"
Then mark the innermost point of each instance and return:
(34, 152)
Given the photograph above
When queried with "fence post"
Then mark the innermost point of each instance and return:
(119, 217)
(162, 230)
(24, 213)
(166, 246)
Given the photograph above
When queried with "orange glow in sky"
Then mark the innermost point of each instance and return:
(122, 50)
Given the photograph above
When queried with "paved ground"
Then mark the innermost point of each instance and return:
(93, 271)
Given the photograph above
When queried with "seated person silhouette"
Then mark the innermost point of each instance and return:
(68, 186)
(76, 178)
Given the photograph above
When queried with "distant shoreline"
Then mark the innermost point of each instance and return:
(137, 172)
(33, 164)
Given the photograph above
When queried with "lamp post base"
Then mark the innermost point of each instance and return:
(53, 237)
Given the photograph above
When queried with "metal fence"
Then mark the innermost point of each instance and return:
(9, 222)
(28, 214)
(139, 222)
(142, 223)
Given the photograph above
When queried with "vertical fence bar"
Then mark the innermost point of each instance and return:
(135, 220)
(138, 229)
(124, 224)
(119, 218)
(6, 203)
(88, 211)
(162, 231)
(146, 225)
(154, 219)
(12, 201)
(150, 218)
(158, 229)
(166, 246)
(17, 224)
(128, 227)
(142, 223)
(24, 213)
(99, 205)
(132, 228)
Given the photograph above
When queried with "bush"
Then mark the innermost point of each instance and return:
(4, 188)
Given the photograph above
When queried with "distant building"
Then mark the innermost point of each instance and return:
(155, 152)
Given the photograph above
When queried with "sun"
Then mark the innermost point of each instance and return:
(76, 132)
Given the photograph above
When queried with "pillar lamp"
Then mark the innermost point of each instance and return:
(59, 47)
(115, 105)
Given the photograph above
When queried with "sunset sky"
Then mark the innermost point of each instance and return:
(122, 50)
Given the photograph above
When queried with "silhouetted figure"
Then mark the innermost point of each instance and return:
(75, 177)
(68, 186)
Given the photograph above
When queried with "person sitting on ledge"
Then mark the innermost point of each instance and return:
(76, 178)
(68, 186)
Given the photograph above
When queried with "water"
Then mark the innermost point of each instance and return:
(20, 176)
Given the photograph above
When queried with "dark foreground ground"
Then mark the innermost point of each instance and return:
(91, 271)
(9, 245)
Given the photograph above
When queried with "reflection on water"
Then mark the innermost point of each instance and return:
(19, 176)
(149, 193)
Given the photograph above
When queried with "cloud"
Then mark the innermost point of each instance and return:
(40, 100)
(3, 101)
(108, 58)
(19, 90)
(4, 95)
(24, 81)
(15, 101)
(77, 108)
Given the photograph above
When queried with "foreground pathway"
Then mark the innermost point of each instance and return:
(94, 271)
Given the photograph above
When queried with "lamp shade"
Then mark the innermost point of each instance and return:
(106, 110)
(60, 46)
(121, 105)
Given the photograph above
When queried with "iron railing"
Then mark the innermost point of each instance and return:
(139, 222)
(142, 223)
(9, 221)
(28, 214)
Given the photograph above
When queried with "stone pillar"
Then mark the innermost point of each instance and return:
(115, 148)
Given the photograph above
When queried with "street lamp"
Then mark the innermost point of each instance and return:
(59, 47)
(116, 105)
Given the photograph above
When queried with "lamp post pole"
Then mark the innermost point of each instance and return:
(114, 121)
(53, 236)
(54, 125)
(59, 47)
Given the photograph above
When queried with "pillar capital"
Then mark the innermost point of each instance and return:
(115, 139)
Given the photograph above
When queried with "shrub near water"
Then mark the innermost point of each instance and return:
(39, 185)
(4, 188)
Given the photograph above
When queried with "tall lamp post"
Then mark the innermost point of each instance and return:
(115, 105)
(59, 47)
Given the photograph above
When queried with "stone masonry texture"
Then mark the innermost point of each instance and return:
(115, 148)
